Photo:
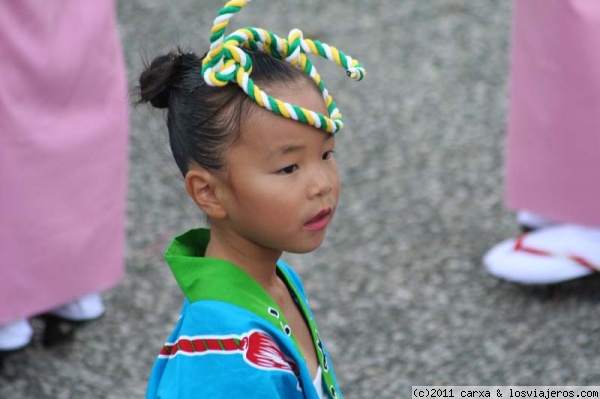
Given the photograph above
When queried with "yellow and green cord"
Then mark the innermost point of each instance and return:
(227, 62)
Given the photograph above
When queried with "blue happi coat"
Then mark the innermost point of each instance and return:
(232, 340)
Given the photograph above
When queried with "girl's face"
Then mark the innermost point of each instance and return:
(283, 186)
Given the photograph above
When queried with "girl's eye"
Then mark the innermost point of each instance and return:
(328, 155)
(288, 169)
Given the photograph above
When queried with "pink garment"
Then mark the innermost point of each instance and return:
(63, 153)
(553, 154)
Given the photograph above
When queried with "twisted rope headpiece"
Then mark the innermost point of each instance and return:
(227, 62)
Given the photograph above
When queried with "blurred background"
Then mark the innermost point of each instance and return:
(398, 288)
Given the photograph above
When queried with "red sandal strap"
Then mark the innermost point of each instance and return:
(520, 246)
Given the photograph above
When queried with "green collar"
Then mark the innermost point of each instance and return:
(202, 278)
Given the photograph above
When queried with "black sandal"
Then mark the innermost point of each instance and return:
(59, 330)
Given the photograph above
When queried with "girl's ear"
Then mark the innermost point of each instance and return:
(201, 185)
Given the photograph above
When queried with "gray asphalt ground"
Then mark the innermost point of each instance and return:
(398, 288)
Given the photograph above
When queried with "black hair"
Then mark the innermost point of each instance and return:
(205, 121)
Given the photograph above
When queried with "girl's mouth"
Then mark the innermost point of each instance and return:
(319, 221)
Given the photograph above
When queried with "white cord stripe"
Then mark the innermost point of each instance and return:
(245, 78)
(328, 52)
(261, 33)
(228, 70)
(222, 18)
(305, 47)
(316, 118)
(207, 77)
(293, 56)
(264, 97)
(291, 111)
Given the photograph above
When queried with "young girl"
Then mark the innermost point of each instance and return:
(261, 167)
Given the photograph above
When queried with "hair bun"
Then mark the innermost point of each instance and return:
(157, 79)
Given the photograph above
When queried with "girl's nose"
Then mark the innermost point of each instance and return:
(320, 183)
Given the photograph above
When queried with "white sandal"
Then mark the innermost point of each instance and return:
(62, 322)
(546, 256)
(85, 308)
(15, 335)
